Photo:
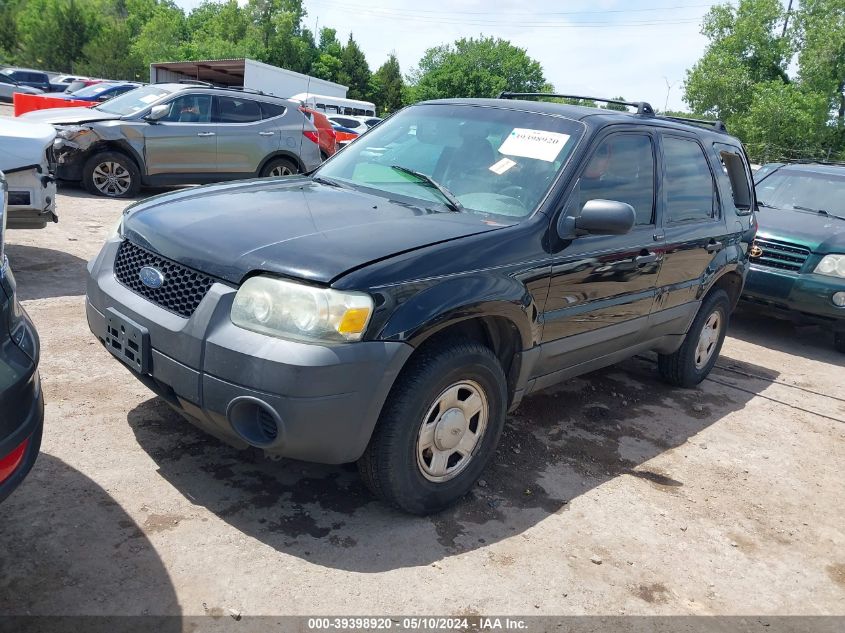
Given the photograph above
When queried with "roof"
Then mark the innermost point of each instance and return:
(599, 116)
(819, 168)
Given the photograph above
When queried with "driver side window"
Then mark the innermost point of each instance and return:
(189, 109)
(621, 169)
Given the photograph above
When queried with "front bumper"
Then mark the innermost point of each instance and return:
(21, 398)
(800, 297)
(32, 197)
(326, 399)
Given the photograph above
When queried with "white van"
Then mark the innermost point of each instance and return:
(335, 105)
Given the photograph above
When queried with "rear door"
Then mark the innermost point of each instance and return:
(244, 137)
(185, 140)
(693, 225)
(603, 286)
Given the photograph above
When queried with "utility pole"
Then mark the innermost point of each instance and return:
(668, 90)
(786, 19)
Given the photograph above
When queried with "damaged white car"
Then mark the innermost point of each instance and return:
(26, 151)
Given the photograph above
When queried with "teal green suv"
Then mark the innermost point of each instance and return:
(798, 257)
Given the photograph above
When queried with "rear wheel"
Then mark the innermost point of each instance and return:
(691, 363)
(111, 174)
(439, 428)
(279, 167)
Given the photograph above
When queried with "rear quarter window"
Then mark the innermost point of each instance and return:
(271, 110)
(738, 176)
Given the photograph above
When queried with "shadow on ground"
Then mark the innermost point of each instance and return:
(808, 341)
(560, 444)
(45, 272)
(68, 549)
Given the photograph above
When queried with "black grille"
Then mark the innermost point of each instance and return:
(781, 255)
(183, 287)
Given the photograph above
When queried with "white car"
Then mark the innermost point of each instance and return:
(9, 86)
(359, 124)
(25, 158)
(62, 82)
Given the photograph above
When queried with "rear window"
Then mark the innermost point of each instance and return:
(350, 123)
(271, 110)
(237, 110)
(690, 191)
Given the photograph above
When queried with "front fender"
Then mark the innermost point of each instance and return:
(460, 298)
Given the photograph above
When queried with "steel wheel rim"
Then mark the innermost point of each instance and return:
(111, 178)
(708, 339)
(281, 170)
(451, 431)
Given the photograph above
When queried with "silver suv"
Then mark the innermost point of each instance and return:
(170, 134)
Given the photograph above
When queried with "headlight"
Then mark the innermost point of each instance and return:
(69, 132)
(291, 310)
(832, 265)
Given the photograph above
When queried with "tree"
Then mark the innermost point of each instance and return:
(52, 33)
(745, 48)
(471, 67)
(162, 37)
(354, 71)
(386, 86)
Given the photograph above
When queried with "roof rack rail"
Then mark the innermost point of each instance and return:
(643, 107)
(194, 82)
(717, 125)
(816, 161)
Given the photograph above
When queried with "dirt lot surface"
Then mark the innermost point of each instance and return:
(611, 494)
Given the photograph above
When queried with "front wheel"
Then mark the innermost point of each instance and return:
(439, 428)
(691, 363)
(279, 167)
(111, 174)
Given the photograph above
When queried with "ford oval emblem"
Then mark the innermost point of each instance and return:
(151, 277)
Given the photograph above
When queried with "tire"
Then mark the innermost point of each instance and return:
(689, 365)
(281, 167)
(839, 341)
(396, 467)
(127, 182)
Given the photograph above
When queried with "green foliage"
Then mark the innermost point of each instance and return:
(354, 70)
(471, 67)
(386, 86)
(742, 77)
(52, 33)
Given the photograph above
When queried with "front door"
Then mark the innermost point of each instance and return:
(185, 140)
(603, 286)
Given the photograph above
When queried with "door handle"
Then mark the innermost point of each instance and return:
(715, 247)
(206, 134)
(266, 133)
(648, 258)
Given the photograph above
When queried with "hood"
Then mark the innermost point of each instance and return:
(68, 116)
(23, 143)
(293, 227)
(819, 233)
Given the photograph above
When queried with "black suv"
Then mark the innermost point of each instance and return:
(21, 400)
(391, 307)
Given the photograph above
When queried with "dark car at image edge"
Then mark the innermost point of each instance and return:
(21, 398)
(391, 307)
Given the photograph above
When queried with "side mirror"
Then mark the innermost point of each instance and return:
(157, 112)
(598, 217)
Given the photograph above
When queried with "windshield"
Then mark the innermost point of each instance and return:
(93, 90)
(492, 160)
(812, 190)
(134, 100)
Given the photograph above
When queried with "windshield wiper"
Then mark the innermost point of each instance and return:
(327, 181)
(765, 204)
(452, 202)
(819, 211)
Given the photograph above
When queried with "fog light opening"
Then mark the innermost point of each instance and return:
(838, 299)
(254, 421)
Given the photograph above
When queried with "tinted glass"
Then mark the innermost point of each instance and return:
(493, 160)
(189, 108)
(4, 79)
(350, 123)
(94, 90)
(689, 184)
(237, 110)
(270, 110)
(791, 189)
(621, 169)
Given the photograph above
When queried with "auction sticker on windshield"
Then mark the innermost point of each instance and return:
(537, 144)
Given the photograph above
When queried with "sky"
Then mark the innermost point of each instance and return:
(600, 48)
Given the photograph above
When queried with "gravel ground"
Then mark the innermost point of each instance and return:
(611, 494)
